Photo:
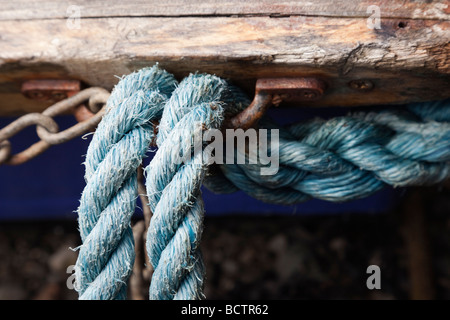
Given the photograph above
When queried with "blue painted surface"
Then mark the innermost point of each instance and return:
(50, 186)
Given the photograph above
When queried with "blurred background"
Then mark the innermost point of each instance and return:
(252, 250)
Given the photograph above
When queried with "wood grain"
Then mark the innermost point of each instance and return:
(406, 62)
(45, 9)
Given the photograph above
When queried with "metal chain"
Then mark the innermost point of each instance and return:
(47, 129)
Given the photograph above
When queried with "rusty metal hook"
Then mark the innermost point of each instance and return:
(272, 91)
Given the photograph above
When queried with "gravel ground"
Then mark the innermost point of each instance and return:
(320, 257)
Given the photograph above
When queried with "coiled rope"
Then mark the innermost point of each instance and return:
(340, 159)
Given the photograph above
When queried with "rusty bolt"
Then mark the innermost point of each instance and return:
(58, 95)
(276, 100)
(50, 90)
(361, 85)
(310, 95)
(36, 95)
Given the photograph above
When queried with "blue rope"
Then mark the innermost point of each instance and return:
(173, 188)
(108, 201)
(337, 160)
(349, 157)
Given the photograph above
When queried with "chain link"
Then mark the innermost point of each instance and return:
(47, 129)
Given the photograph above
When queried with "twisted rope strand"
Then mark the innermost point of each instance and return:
(108, 201)
(351, 157)
(174, 188)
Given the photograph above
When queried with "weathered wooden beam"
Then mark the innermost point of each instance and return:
(45, 9)
(406, 60)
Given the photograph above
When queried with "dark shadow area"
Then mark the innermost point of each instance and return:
(252, 257)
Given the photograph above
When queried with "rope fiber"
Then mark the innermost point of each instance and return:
(340, 159)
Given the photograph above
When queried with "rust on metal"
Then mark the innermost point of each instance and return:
(272, 91)
(361, 85)
(56, 90)
(88, 123)
(46, 127)
(292, 89)
(82, 113)
(50, 90)
(31, 152)
(248, 117)
(5, 150)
